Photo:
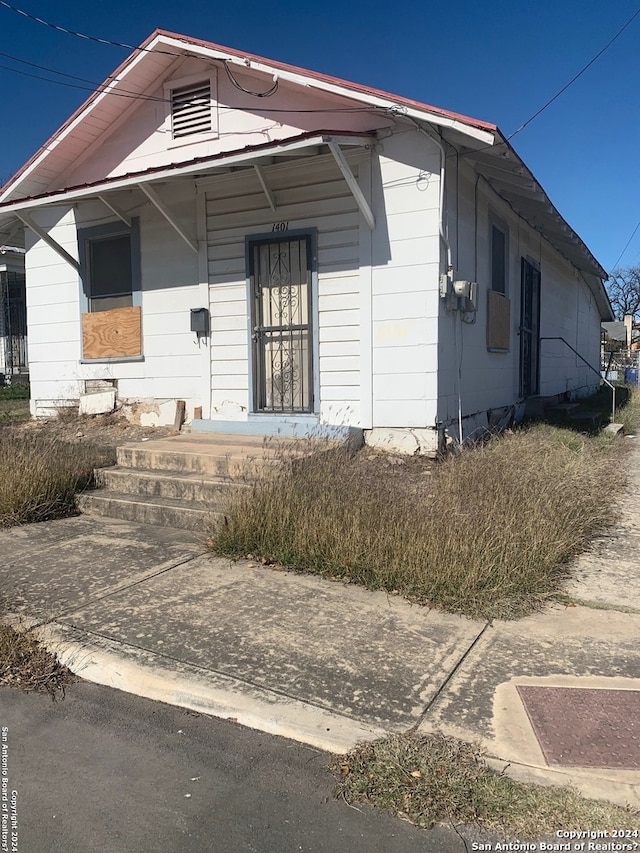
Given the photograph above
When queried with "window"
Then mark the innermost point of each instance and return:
(109, 266)
(192, 108)
(499, 258)
(110, 298)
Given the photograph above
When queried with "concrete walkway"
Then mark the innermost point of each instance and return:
(147, 610)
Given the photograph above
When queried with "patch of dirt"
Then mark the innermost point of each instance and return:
(110, 430)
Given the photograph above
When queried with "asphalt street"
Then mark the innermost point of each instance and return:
(102, 770)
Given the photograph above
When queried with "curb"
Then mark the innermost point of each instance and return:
(143, 673)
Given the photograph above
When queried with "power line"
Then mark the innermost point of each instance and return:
(93, 83)
(101, 87)
(138, 49)
(613, 268)
(69, 32)
(98, 88)
(578, 75)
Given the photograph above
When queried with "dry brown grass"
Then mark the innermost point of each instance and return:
(431, 779)
(26, 664)
(39, 476)
(487, 533)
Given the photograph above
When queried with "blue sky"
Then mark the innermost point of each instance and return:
(498, 61)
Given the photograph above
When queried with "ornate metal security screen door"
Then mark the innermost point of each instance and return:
(280, 274)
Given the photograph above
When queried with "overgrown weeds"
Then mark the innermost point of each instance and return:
(40, 476)
(629, 414)
(26, 663)
(487, 533)
(431, 779)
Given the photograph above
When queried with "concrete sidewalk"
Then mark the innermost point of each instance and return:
(146, 610)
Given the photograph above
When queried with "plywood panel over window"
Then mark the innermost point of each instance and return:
(498, 321)
(112, 334)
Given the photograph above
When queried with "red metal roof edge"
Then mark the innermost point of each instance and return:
(587, 250)
(210, 158)
(242, 55)
(326, 78)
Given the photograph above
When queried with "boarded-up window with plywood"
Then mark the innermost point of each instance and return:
(112, 334)
(498, 322)
(110, 274)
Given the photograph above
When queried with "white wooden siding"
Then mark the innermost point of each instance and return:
(406, 266)
(309, 194)
(172, 365)
(490, 379)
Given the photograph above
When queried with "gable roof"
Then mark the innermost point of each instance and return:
(480, 142)
(141, 70)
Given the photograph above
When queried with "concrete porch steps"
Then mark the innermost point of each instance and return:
(164, 512)
(190, 488)
(221, 456)
(183, 481)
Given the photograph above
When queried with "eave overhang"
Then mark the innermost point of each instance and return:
(198, 167)
(507, 174)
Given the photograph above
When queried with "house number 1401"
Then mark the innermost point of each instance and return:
(280, 226)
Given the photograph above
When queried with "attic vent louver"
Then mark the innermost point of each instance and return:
(191, 110)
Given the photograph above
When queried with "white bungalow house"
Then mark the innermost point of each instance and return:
(285, 251)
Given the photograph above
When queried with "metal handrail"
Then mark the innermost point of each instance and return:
(597, 372)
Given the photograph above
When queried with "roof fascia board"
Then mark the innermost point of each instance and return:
(396, 107)
(131, 181)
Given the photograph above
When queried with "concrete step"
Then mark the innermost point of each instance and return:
(221, 457)
(164, 512)
(183, 480)
(192, 488)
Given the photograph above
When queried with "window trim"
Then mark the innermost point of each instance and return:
(499, 225)
(191, 80)
(98, 232)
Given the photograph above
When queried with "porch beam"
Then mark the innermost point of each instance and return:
(28, 221)
(349, 177)
(116, 211)
(266, 188)
(157, 202)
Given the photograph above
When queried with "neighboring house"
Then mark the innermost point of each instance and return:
(13, 315)
(286, 251)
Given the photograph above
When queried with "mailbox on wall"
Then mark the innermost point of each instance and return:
(200, 321)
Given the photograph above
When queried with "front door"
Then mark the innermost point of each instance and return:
(280, 277)
(529, 330)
